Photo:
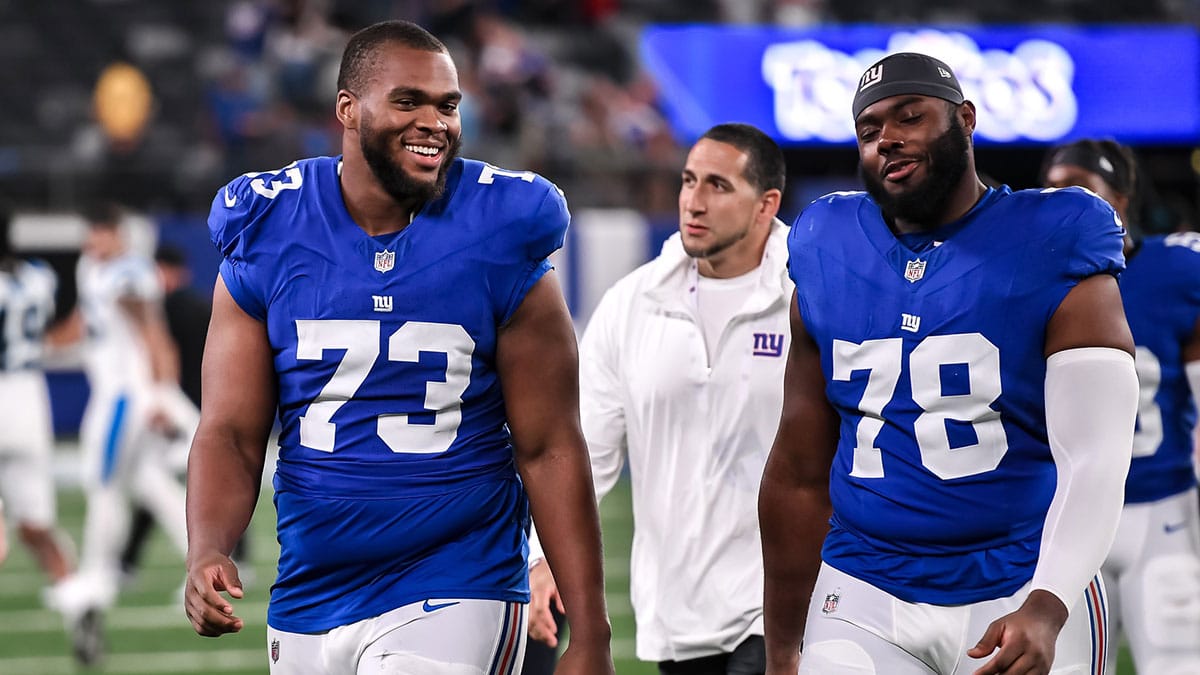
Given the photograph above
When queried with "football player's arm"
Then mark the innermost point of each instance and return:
(539, 373)
(793, 501)
(602, 414)
(1091, 404)
(148, 318)
(226, 461)
(66, 332)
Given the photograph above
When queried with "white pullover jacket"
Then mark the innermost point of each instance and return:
(696, 435)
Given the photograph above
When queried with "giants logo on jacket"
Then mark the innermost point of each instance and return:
(768, 344)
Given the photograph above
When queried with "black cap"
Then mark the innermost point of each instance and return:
(906, 73)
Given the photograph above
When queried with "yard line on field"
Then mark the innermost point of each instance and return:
(145, 662)
(120, 618)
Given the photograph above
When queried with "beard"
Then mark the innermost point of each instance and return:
(715, 247)
(925, 202)
(403, 187)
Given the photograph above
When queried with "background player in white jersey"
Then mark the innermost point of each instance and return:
(396, 309)
(135, 412)
(1153, 571)
(961, 390)
(681, 368)
(26, 436)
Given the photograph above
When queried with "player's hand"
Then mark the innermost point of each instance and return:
(209, 574)
(542, 592)
(1023, 641)
(160, 422)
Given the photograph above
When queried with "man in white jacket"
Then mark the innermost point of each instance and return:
(681, 369)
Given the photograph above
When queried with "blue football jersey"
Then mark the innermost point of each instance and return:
(934, 360)
(396, 479)
(1161, 292)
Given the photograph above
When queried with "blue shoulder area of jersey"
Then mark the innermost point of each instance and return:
(243, 203)
(822, 210)
(249, 200)
(508, 201)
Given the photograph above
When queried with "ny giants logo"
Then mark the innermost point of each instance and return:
(874, 75)
(274, 651)
(768, 344)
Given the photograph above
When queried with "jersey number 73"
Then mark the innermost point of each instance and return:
(360, 340)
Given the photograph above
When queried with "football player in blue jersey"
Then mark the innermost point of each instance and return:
(395, 307)
(958, 410)
(1153, 570)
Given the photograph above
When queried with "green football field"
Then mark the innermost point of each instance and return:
(149, 635)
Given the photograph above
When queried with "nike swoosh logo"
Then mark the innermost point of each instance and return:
(230, 200)
(433, 608)
(1174, 527)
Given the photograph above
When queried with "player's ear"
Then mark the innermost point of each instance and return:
(768, 204)
(346, 109)
(966, 116)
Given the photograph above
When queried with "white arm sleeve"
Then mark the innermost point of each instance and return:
(1192, 368)
(1091, 407)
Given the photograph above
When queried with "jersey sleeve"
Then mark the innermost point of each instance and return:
(544, 231)
(231, 216)
(809, 249)
(1093, 243)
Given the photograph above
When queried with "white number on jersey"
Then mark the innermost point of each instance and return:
(1187, 239)
(291, 181)
(489, 173)
(360, 340)
(1148, 434)
(884, 361)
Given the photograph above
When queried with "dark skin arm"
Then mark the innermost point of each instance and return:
(226, 462)
(1090, 316)
(538, 364)
(793, 501)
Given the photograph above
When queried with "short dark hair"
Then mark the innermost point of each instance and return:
(173, 256)
(765, 166)
(103, 215)
(1113, 162)
(359, 55)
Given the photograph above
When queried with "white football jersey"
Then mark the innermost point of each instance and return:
(26, 304)
(116, 355)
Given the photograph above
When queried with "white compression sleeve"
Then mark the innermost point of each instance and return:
(1091, 407)
(1192, 368)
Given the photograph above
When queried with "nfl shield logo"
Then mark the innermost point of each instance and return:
(831, 603)
(913, 271)
(274, 651)
(386, 260)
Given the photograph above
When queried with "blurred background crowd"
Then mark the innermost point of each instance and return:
(156, 104)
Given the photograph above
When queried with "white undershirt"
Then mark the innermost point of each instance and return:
(718, 301)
